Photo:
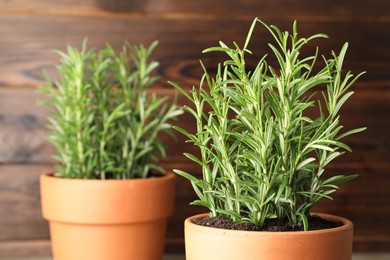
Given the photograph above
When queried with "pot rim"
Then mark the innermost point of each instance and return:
(347, 225)
(137, 200)
(165, 175)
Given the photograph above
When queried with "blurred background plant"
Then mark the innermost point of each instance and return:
(104, 123)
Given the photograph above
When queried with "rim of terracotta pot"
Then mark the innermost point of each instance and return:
(158, 177)
(347, 225)
(64, 200)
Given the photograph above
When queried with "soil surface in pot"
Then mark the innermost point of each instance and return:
(277, 225)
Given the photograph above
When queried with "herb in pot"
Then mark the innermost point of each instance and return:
(262, 156)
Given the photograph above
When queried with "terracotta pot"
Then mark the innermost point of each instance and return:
(212, 243)
(107, 220)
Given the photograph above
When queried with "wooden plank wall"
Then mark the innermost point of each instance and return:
(30, 30)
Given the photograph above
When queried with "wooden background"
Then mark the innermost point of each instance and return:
(30, 30)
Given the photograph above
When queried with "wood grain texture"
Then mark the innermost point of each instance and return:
(181, 42)
(292, 8)
(30, 30)
(25, 248)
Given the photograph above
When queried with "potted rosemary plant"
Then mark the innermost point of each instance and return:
(107, 197)
(264, 156)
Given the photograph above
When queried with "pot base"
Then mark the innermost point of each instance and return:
(108, 242)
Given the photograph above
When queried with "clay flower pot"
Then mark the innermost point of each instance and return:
(107, 220)
(212, 243)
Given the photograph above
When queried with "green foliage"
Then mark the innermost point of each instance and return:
(262, 156)
(104, 123)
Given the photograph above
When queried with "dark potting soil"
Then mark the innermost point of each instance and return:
(276, 225)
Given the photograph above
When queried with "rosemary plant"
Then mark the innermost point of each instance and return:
(262, 156)
(104, 123)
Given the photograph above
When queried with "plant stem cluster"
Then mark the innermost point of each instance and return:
(104, 123)
(262, 156)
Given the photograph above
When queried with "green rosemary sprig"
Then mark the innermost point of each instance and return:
(262, 156)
